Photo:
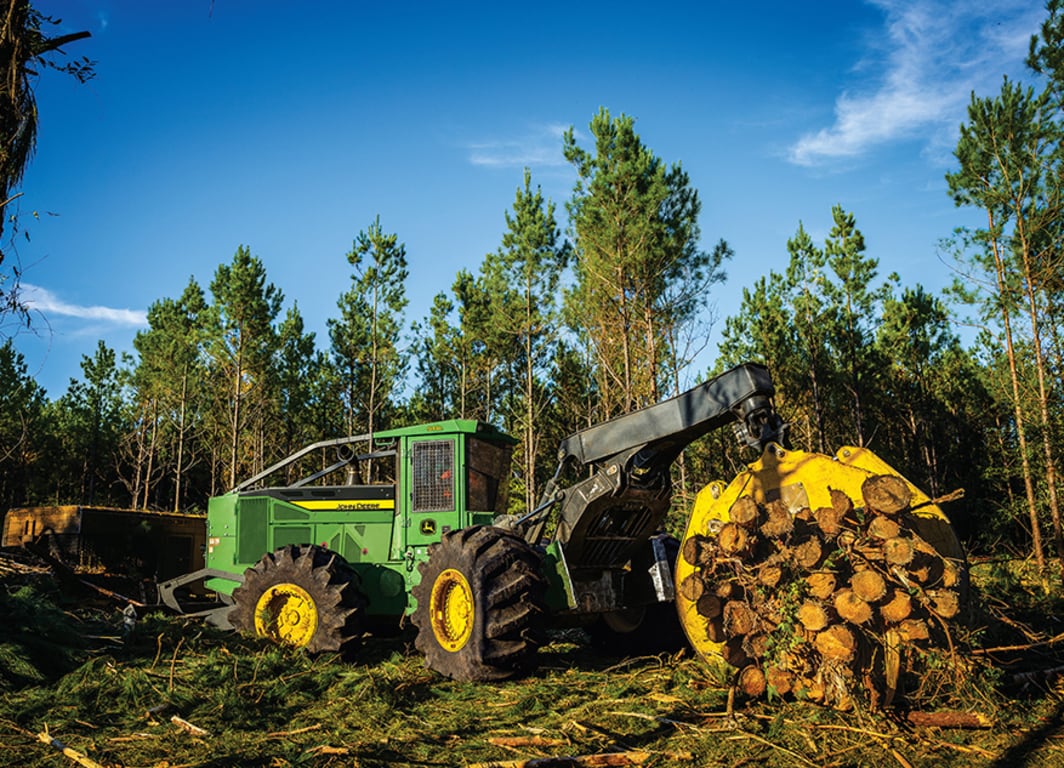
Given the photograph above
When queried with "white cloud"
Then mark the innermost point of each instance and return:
(540, 147)
(932, 55)
(47, 303)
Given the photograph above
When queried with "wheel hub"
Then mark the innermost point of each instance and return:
(286, 613)
(452, 610)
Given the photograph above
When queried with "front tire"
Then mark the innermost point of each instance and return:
(300, 596)
(480, 605)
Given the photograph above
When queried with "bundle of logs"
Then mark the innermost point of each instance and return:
(808, 603)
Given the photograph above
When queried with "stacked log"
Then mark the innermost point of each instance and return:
(802, 603)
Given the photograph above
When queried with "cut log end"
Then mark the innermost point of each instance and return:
(898, 608)
(778, 521)
(744, 512)
(869, 585)
(751, 681)
(821, 584)
(733, 539)
(886, 494)
(836, 643)
(812, 616)
(851, 607)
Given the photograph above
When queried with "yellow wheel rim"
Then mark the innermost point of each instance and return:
(451, 608)
(286, 614)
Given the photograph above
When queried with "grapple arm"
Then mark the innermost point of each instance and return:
(627, 493)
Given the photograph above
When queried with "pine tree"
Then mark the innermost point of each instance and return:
(22, 403)
(365, 340)
(635, 228)
(241, 346)
(529, 264)
(1010, 167)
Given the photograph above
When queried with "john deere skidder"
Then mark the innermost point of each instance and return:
(413, 522)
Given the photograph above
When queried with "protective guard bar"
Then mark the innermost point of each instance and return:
(338, 441)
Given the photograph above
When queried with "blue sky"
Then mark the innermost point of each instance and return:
(288, 127)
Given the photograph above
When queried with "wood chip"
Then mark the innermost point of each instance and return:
(185, 725)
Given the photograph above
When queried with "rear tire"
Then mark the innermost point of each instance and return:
(300, 596)
(480, 607)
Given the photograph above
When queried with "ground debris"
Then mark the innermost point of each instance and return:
(46, 738)
(185, 725)
(603, 760)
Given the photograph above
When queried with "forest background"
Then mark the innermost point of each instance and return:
(587, 309)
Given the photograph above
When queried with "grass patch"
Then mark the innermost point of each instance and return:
(111, 696)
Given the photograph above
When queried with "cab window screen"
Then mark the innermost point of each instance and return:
(433, 470)
(488, 472)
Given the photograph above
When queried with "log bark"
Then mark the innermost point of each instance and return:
(950, 719)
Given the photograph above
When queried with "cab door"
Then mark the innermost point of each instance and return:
(432, 489)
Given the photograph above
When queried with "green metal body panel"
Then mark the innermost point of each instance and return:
(449, 475)
(560, 594)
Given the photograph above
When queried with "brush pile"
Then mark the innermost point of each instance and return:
(823, 602)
